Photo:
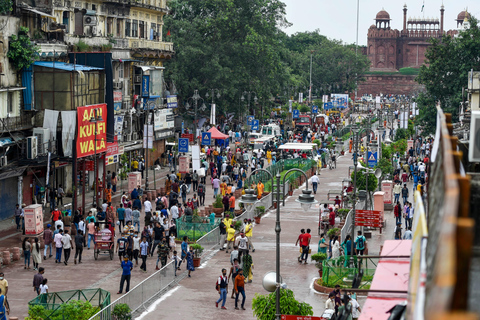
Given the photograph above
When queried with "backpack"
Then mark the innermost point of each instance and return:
(360, 242)
(184, 188)
(200, 190)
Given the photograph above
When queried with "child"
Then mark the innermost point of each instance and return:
(172, 243)
(177, 259)
(43, 286)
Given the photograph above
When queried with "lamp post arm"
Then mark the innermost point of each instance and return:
(271, 177)
(290, 171)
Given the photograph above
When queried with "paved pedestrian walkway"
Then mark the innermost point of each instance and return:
(197, 295)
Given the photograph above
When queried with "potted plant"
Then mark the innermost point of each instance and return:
(332, 232)
(197, 249)
(318, 258)
(218, 206)
(259, 211)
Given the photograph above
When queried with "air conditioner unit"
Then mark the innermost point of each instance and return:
(43, 137)
(117, 85)
(138, 79)
(134, 136)
(474, 150)
(89, 20)
(3, 161)
(32, 147)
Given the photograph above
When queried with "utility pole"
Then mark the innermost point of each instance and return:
(310, 91)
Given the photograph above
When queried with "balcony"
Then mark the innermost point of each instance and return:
(157, 5)
(54, 49)
(22, 122)
(150, 44)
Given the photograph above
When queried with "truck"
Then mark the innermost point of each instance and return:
(304, 120)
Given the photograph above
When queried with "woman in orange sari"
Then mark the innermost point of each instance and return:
(168, 185)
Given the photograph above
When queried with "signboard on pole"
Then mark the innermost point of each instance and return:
(148, 136)
(206, 138)
(314, 109)
(86, 130)
(340, 100)
(183, 145)
(172, 101)
(290, 105)
(369, 218)
(410, 144)
(327, 105)
(249, 120)
(296, 113)
(255, 124)
(146, 86)
(372, 158)
(183, 164)
(300, 97)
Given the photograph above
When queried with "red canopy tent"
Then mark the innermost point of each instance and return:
(217, 134)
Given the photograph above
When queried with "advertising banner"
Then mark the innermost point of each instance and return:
(172, 101)
(339, 100)
(86, 130)
(112, 153)
(369, 218)
(148, 136)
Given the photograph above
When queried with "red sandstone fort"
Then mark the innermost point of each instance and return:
(390, 50)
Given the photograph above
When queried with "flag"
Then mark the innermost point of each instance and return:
(168, 33)
(423, 6)
(422, 11)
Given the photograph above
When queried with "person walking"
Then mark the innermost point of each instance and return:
(18, 213)
(127, 267)
(242, 246)
(240, 289)
(249, 234)
(397, 211)
(397, 189)
(405, 194)
(58, 246)
(223, 234)
(67, 246)
(247, 262)
(36, 255)
(360, 243)
(79, 241)
(120, 217)
(91, 232)
(47, 239)
(315, 182)
(143, 254)
(162, 251)
(222, 288)
(37, 280)
(26, 246)
(189, 257)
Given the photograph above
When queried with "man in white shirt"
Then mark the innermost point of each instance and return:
(67, 246)
(315, 180)
(59, 222)
(174, 212)
(408, 234)
(58, 246)
(147, 205)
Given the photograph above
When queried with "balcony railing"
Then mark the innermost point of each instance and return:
(150, 44)
(159, 5)
(15, 123)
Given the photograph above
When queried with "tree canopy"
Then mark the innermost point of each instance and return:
(448, 61)
(238, 46)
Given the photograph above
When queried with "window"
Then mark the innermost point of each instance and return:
(153, 31)
(94, 7)
(10, 99)
(156, 82)
(119, 28)
(142, 29)
(120, 71)
(128, 27)
(135, 28)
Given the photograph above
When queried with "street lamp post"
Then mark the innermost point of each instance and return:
(207, 95)
(195, 98)
(150, 106)
(310, 91)
(97, 117)
(306, 200)
(249, 96)
(355, 162)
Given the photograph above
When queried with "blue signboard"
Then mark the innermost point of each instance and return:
(296, 114)
(249, 120)
(314, 109)
(327, 105)
(117, 106)
(372, 158)
(183, 145)
(145, 86)
(206, 138)
(255, 124)
(172, 101)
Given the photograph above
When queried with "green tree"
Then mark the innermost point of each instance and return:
(401, 134)
(304, 108)
(21, 51)
(448, 61)
(264, 305)
(362, 180)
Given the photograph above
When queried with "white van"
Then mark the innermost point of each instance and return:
(271, 130)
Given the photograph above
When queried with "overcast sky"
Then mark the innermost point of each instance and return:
(337, 19)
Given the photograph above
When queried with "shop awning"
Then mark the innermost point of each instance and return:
(43, 14)
(146, 68)
(217, 134)
(64, 66)
(8, 140)
(12, 173)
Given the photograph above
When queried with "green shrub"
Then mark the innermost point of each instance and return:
(218, 202)
(332, 232)
(264, 305)
(122, 311)
(72, 310)
(22, 51)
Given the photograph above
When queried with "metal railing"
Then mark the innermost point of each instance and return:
(146, 292)
(340, 271)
